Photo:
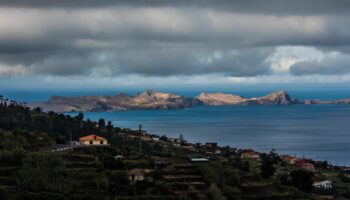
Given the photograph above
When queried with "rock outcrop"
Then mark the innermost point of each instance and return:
(276, 98)
(145, 100)
(217, 99)
(164, 101)
(340, 101)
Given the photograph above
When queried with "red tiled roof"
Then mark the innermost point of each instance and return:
(309, 165)
(250, 153)
(135, 171)
(288, 158)
(92, 137)
(300, 162)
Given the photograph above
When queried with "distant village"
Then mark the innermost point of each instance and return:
(181, 170)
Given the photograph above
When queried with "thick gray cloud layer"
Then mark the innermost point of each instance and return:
(166, 38)
(283, 7)
(332, 64)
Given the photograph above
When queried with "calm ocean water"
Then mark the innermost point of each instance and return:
(315, 131)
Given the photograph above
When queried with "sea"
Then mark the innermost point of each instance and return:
(320, 132)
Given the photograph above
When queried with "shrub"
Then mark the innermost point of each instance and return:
(215, 193)
(302, 179)
(231, 193)
(11, 158)
(44, 172)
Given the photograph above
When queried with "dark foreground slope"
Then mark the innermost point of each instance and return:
(30, 170)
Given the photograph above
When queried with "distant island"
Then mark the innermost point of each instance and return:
(164, 101)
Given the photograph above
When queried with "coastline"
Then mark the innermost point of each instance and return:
(290, 129)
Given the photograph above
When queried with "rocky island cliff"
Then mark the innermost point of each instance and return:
(340, 101)
(145, 100)
(157, 100)
(275, 98)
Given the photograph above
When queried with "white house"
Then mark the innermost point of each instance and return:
(135, 175)
(323, 184)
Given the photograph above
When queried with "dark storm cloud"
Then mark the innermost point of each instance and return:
(163, 38)
(148, 62)
(329, 65)
(167, 62)
(284, 7)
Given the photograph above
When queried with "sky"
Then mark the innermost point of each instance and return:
(99, 44)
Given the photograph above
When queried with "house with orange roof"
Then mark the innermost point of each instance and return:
(93, 140)
(289, 159)
(250, 154)
(305, 165)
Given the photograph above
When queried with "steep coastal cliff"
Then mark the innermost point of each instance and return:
(165, 101)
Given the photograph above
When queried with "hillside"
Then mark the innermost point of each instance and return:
(38, 163)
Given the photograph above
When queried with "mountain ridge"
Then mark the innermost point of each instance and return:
(151, 99)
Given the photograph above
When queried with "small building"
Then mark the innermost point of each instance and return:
(305, 165)
(250, 154)
(217, 151)
(119, 157)
(309, 166)
(93, 140)
(289, 159)
(135, 175)
(211, 145)
(162, 163)
(178, 141)
(323, 184)
(197, 160)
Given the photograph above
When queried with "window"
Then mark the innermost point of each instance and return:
(90, 142)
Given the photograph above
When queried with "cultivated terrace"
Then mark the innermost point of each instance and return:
(43, 156)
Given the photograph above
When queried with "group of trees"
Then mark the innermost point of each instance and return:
(268, 162)
(14, 115)
(44, 172)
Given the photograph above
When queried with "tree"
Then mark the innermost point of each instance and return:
(268, 161)
(43, 172)
(109, 127)
(181, 137)
(101, 123)
(267, 168)
(231, 193)
(80, 116)
(163, 138)
(302, 180)
(118, 182)
(215, 193)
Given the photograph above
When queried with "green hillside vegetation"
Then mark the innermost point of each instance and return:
(29, 170)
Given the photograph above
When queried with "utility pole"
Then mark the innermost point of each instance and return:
(140, 130)
(70, 139)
